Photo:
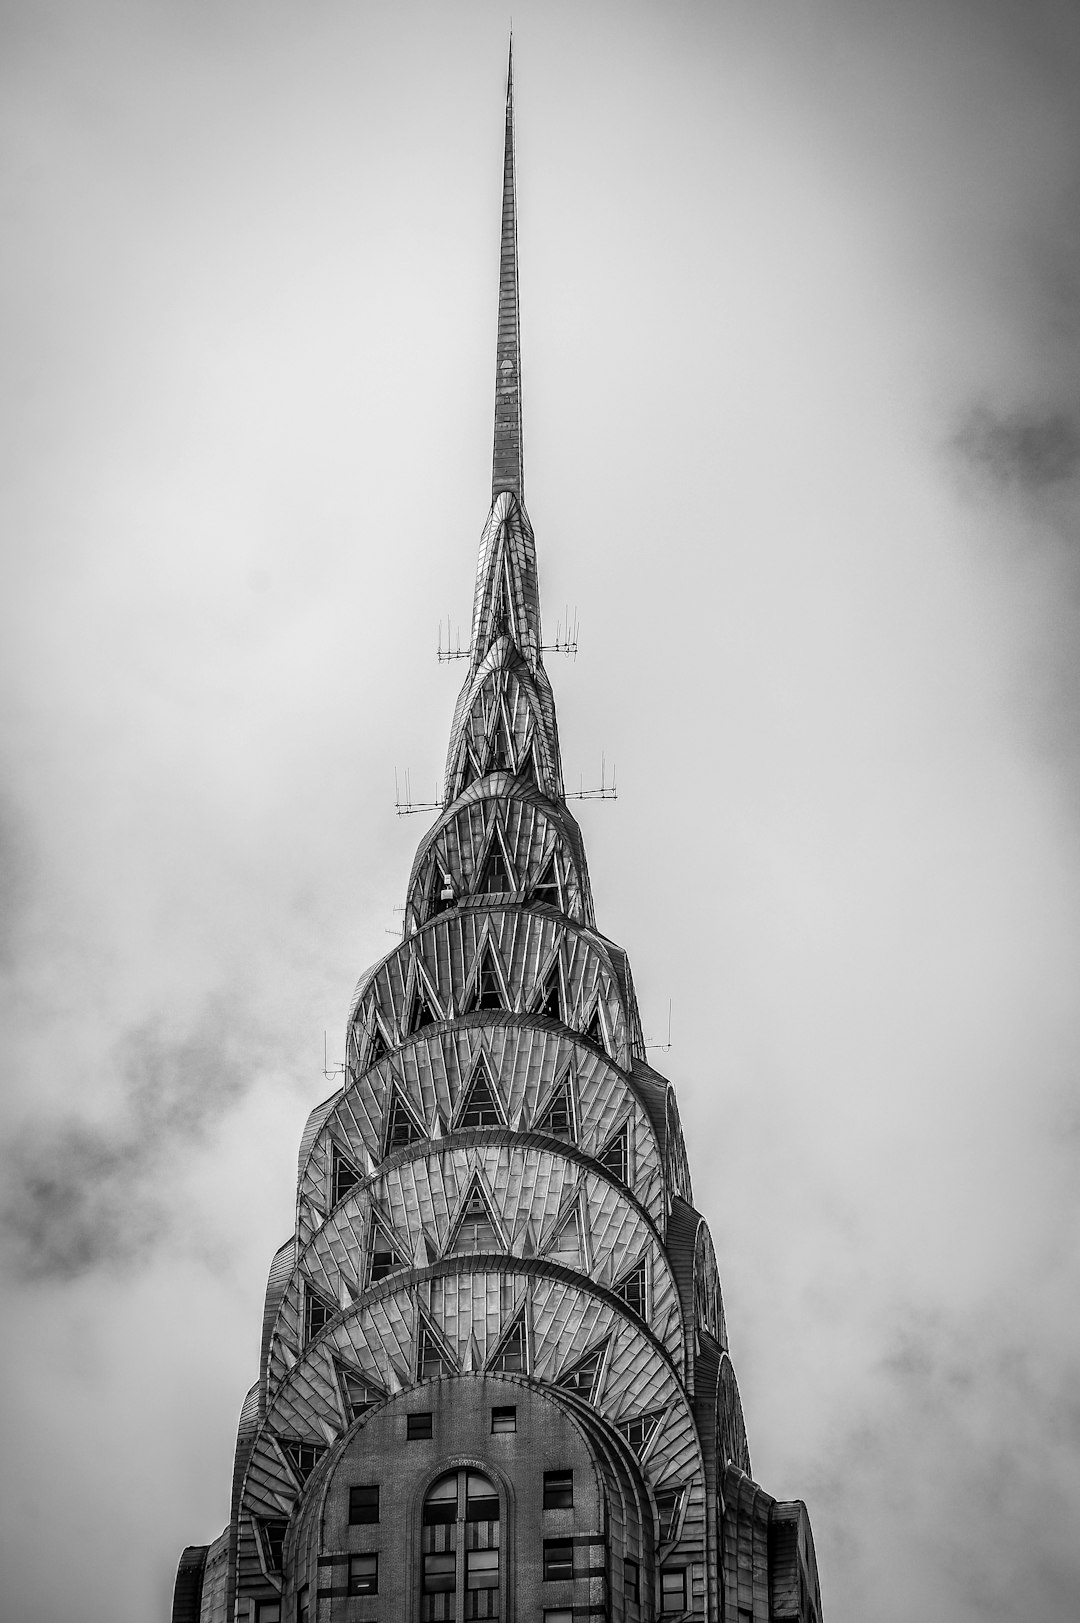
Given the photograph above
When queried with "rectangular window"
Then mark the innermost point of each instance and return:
(558, 1558)
(631, 1581)
(673, 1589)
(504, 1419)
(481, 1505)
(558, 1614)
(440, 1573)
(268, 1611)
(417, 1427)
(558, 1490)
(363, 1505)
(302, 1611)
(363, 1575)
(482, 1569)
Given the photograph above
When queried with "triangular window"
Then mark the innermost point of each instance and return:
(566, 1246)
(631, 1289)
(500, 611)
(583, 1376)
(422, 1013)
(511, 1355)
(495, 878)
(469, 773)
(546, 888)
(431, 1356)
(384, 1256)
(317, 1312)
(479, 1108)
(475, 1229)
(557, 1117)
(487, 993)
(668, 1507)
(550, 1001)
(302, 1457)
(272, 1532)
(615, 1157)
(594, 1030)
(376, 1044)
(401, 1125)
(639, 1431)
(358, 1392)
(346, 1175)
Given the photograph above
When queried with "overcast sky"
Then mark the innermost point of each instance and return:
(801, 327)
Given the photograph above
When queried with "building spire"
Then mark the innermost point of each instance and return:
(507, 472)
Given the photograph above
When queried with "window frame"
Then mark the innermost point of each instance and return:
(355, 1558)
(355, 1505)
(554, 1483)
(414, 1429)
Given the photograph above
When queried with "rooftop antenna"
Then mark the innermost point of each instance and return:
(329, 1071)
(606, 791)
(406, 807)
(663, 1047)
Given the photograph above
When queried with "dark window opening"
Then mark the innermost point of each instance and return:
(673, 1589)
(668, 1506)
(376, 1044)
(422, 1012)
(631, 1582)
(488, 994)
(476, 1230)
(558, 1490)
(346, 1175)
(558, 1559)
(268, 1611)
(359, 1394)
(582, 1376)
(496, 876)
(480, 1109)
(417, 1427)
(303, 1612)
(510, 1355)
(401, 1127)
(558, 1118)
(594, 1031)
(440, 1573)
(317, 1314)
(363, 1575)
(631, 1289)
(638, 1432)
(273, 1537)
(431, 1359)
(385, 1256)
(614, 1157)
(504, 1418)
(303, 1457)
(363, 1504)
(546, 888)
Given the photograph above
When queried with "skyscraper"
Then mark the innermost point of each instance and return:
(494, 1379)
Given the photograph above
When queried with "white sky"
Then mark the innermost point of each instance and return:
(801, 320)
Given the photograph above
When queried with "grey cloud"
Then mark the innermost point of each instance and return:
(1027, 448)
(86, 1195)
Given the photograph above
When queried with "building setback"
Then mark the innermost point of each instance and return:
(494, 1379)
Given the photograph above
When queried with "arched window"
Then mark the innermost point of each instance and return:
(460, 1549)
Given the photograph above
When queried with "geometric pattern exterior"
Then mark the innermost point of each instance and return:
(498, 1199)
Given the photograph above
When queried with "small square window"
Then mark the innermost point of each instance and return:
(363, 1575)
(558, 1490)
(417, 1427)
(631, 1581)
(504, 1419)
(363, 1505)
(673, 1589)
(558, 1558)
(268, 1611)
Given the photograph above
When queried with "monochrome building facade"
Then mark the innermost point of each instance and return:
(494, 1378)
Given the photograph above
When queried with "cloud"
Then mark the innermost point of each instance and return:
(83, 1195)
(1032, 449)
